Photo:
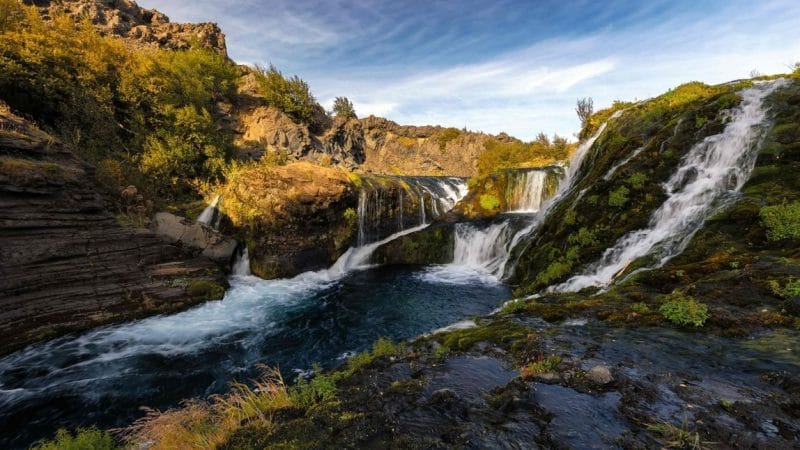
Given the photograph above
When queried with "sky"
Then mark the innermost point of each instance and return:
(500, 66)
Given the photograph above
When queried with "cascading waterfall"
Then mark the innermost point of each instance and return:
(210, 215)
(530, 188)
(482, 248)
(712, 170)
(386, 205)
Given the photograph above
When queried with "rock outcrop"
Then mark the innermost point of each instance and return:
(66, 263)
(294, 218)
(144, 27)
(194, 237)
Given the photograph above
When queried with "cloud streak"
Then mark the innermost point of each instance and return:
(512, 66)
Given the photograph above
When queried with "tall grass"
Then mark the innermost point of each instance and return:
(208, 424)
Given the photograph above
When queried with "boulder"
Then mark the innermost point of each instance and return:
(600, 375)
(196, 236)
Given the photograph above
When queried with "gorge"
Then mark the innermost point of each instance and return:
(197, 262)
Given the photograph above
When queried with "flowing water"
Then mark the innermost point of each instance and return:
(530, 188)
(391, 204)
(211, 215)
(709, 174)
(104, 376)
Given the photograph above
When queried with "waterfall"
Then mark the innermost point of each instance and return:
(390, 204)
(711, 171)
(484, 249)
(530, 188)
(210, 215)
(241, 267)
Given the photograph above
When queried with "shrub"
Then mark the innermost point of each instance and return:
(84, 439)
(684, 311)
(640, 308)
(498, 155)
(489, 202)
(290, 95)
(584, 108)
(619, 197)
(781, 221)
(343, 107)
(447, 135)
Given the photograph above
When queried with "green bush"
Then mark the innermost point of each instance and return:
(290, 95)
(640, 308)
(619, 197)
(684, 311)
(498, 155)
(84, 439)
(781, 221)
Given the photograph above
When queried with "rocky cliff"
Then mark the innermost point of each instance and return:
(144, 27)
(294, 218)
(66, 263)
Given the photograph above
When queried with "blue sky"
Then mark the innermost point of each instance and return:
(513, 66)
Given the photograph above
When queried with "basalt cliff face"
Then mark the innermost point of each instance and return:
(66, 263)
(144, 27)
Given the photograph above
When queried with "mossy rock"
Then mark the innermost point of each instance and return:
(201, 288)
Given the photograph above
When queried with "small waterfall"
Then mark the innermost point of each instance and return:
(530, 188)
(710, 172)
(241, 267)
(211, 216)
(485, 249)
(391, 204)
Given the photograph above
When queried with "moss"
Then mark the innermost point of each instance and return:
(489, 202)
(640, 308)
(781, 221)
(684, 311)
(637, 180)
(500, 331)
(355, 179)
(406, 142)
(619, 197)
(205, 289)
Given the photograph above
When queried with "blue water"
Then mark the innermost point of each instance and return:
(104, 376)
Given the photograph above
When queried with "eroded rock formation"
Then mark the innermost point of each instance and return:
(66, 263)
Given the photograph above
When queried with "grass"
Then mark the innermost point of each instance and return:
(83, 439)
(677, 437)
(544, 365)
(206, 425)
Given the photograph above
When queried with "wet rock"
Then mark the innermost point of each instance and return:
(600, 375)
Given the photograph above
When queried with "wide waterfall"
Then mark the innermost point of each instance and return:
(211, 215)
(388, 205)
(712, 170)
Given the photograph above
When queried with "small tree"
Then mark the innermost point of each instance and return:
(343, 107)
(542, 138)
(585, 109)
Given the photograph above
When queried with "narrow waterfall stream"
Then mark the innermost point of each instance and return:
(105, 375)
(211, 215)
(711, 172)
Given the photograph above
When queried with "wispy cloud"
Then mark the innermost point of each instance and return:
(509, 65)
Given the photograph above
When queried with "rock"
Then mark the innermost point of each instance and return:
(296, 217)
(792, 306)
(600, 375)
(196, 236)
(142, 27)
(66, 264)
